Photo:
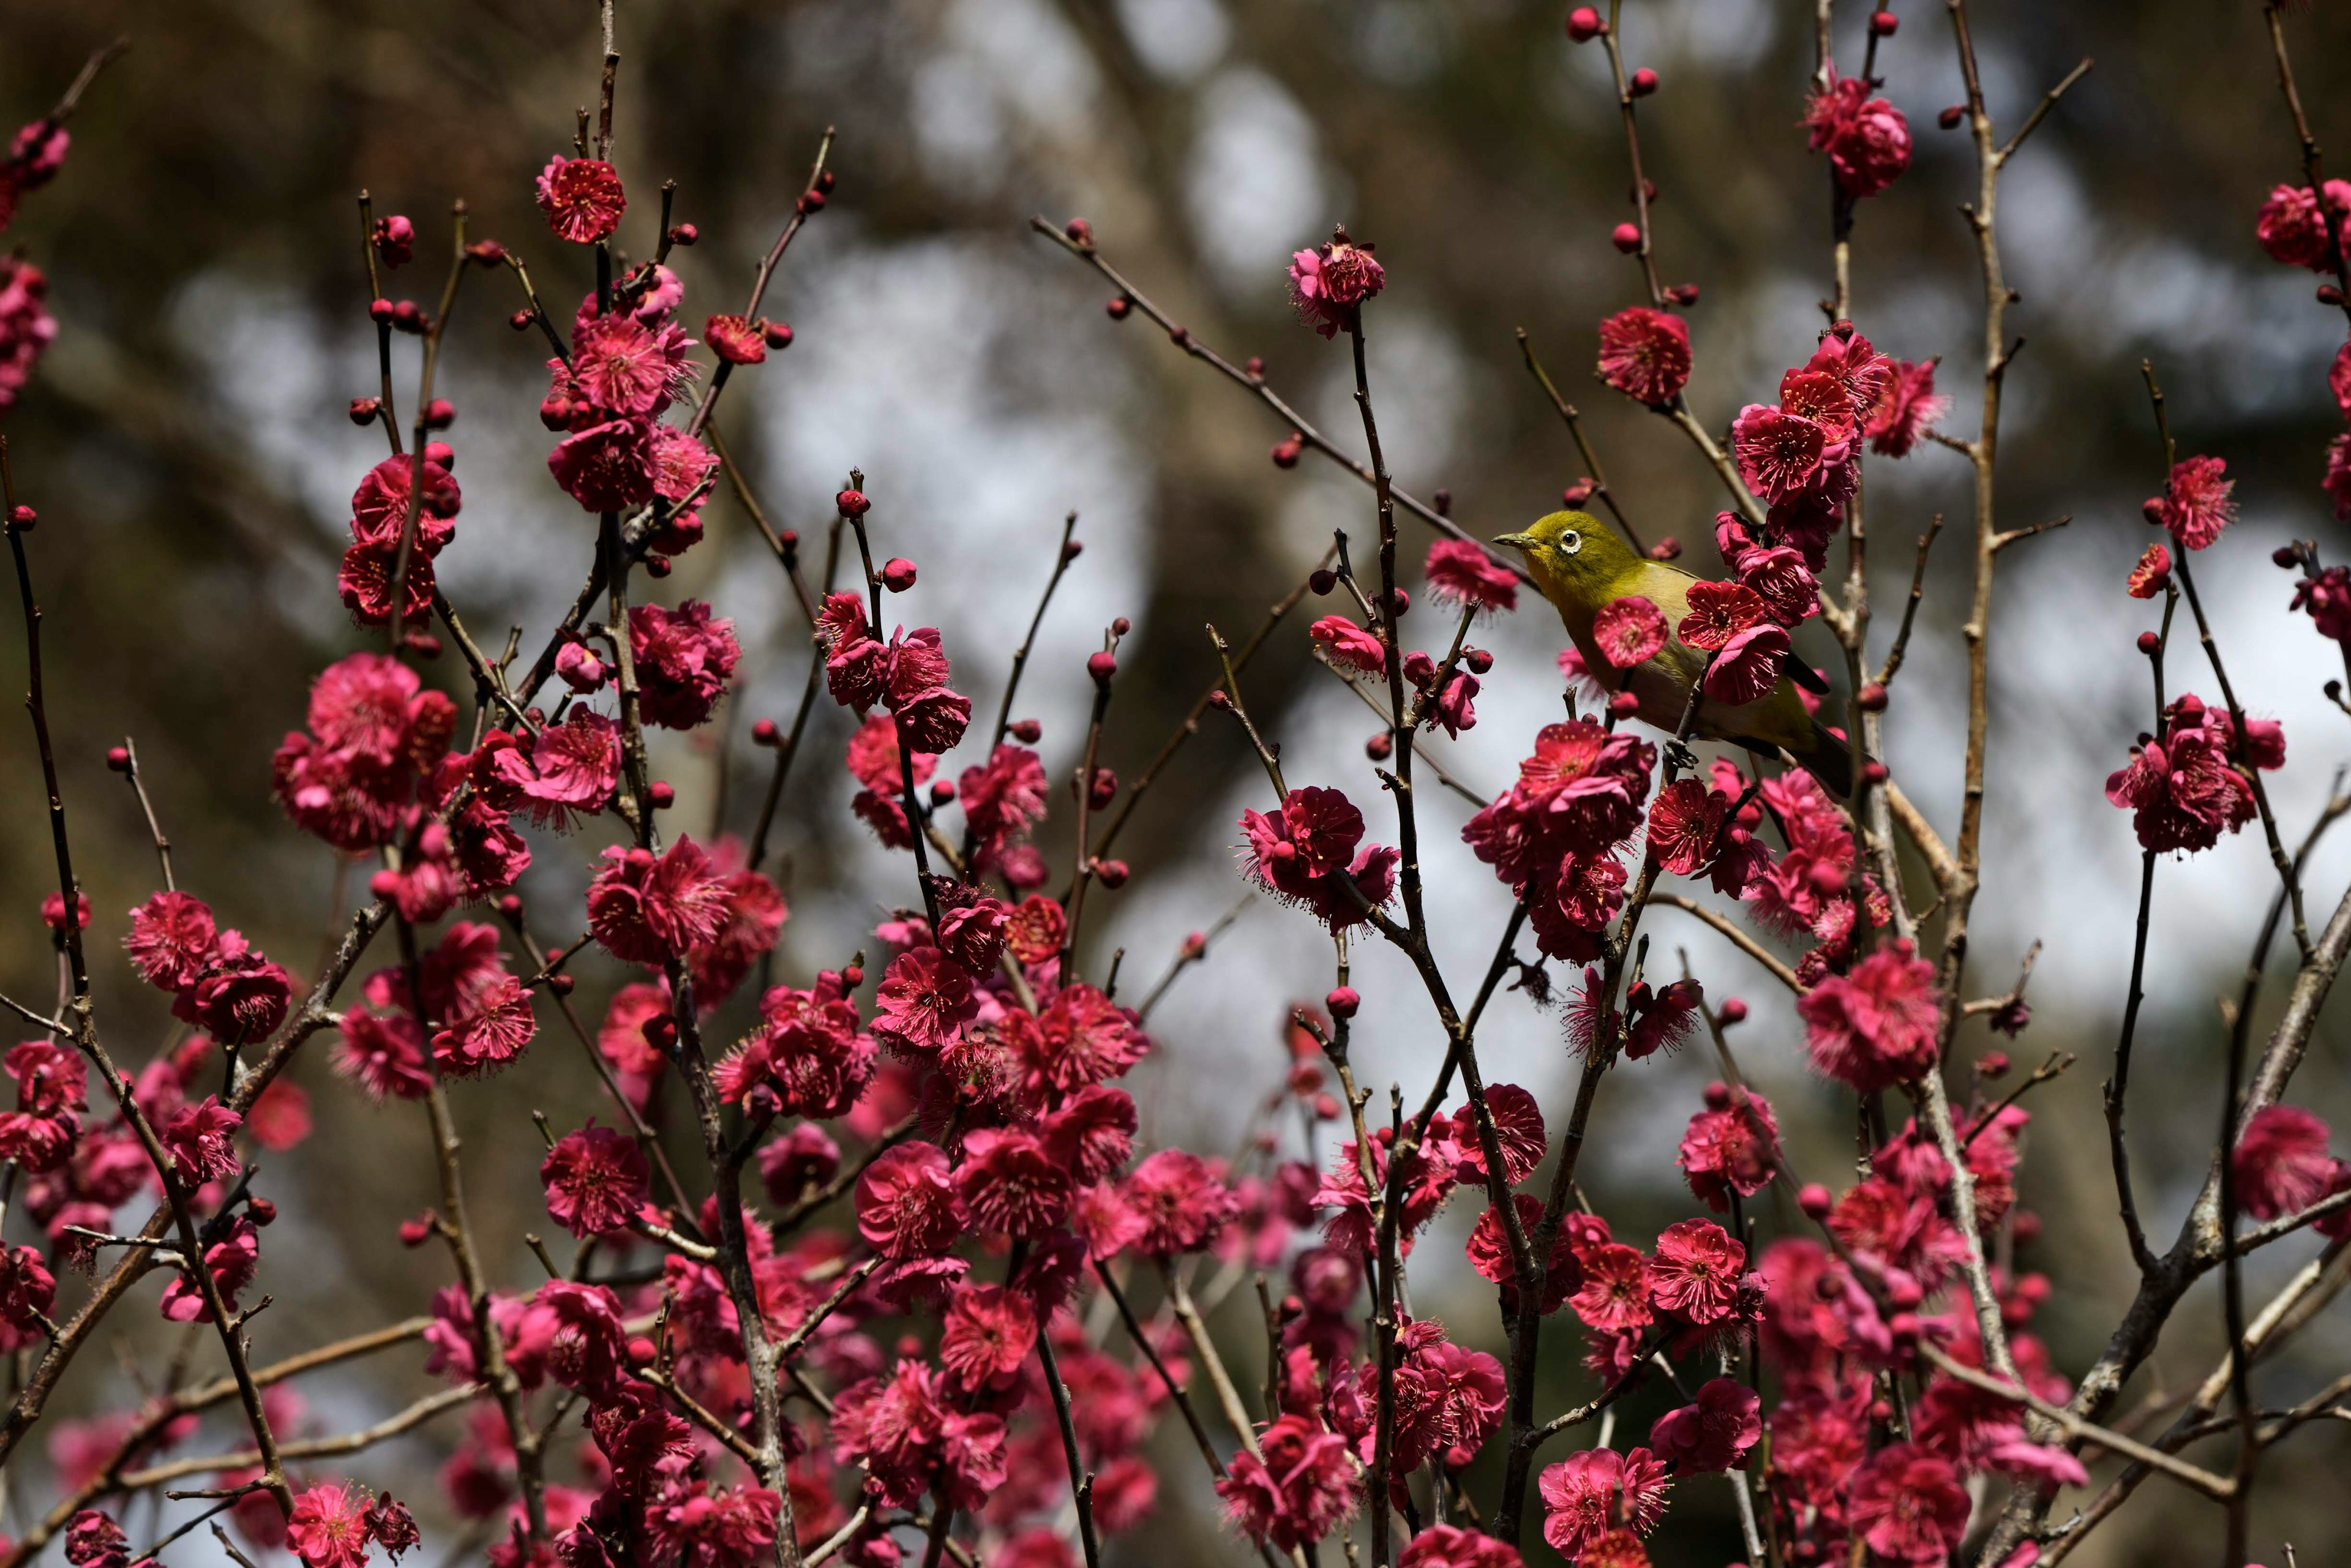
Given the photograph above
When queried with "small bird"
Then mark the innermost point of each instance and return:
(1582, 568)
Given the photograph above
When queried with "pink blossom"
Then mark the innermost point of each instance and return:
(1876, 1026)
(1750, 666)
(736, 339)
(2152, 574)
(197, 1137)
(1586, 1495)
(596, 1180)
(2280, 1164)
(583, 203)
(683, 660)
(380, 506)
(328, 1527)
(1779, 454)
(1868, 139)
(2197, 502)
(1182, 1202)
(648, 909)
(1720, 612)
(606, 468)
(626, 370)
(26, 327)
(1450, 1546)
(1715, 1433)
(922, 1001)
(1010, 1185)
(907, 1203)
(1908, 1505)
(1347, 646)
(1696, 1273)
(1629, 631)
(172, 940)
(574, 767)
(1462, 574)
(232, 1263)
(1330, 283)
(2291, 229)
(1907, 411)
(1299, 1492)
(1646, 354)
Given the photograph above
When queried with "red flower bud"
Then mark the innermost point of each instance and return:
(486, 253)
(661, 795)
(810, 201)
(660, 1032)
(2330, 294)
(1380, 746)
(1884, 22)
(1575, 494)
(1644, 82)
(1667, 548)
(21, 518)
(408, 317)
(1682, 294)
(1073, 549)
(852, 502)
(942, 792)
(1623, 704)
(1080, 231)
(1179, 335)
(1286, 450)
(764, 732)
(379, 311)
(1733, 1010)
(1323, 580)
(521, 319)
(1993, 1064)
(1871, 698)
(1254, 368)
(1120, 626)
(1027, 731)
(1815, 1201)
(1626, 238)
(2149, 643)
(440, 413)
(1101, 667)
(1326, 1109)
(684, 234)
(1399, 602)
(510, 905)
(1583, 25)
(898, 574)
(657, 566)
(825, 181)
(561, 984)
(1478, 659)
(1441, 499)
(852, 977)
(1195, 944)
(778, 335)
(1343, 1001)
(261, 1210)
(416, 1232)
(441, 452)
(1874, 772)
(365, 409)
(118, 757)
(1950, 118)
(1119, 307)
(1111, 874)
(2287, 557)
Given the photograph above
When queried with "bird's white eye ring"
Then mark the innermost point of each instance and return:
(1570, 542)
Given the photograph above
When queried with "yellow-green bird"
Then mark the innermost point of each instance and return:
(1582, 568)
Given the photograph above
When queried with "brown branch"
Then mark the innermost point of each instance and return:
(1574, 423)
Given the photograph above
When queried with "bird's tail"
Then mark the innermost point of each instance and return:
(1830, 761)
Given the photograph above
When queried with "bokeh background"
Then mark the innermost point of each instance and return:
(186, 444)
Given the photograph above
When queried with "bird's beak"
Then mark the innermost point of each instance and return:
(1522, 541)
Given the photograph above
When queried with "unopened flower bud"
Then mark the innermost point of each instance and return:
(1399, 604)
(441, 452)
(764, 732)
(118, 759)
(1343, 1002)
(898, 574)
(1575, 494)
(384, 883)
(1644, 83)
(1027, 731)
(1380, 746)
(661, 795)
(486, 253)
(1902, 1292)
(1120, 626)
(365, 409)
(379, 311)
(852, 975)
(1080, 231)
(685, 234)
(942, 792)
(261, 1211)
(1111, 874)
(2330, 294)
(2149, 643)
(1286, 452)
(642, 1351)
(778, 335)
(510, 905)
(1118, 307)
(1180, 335)
(1815, 1201)
(440, 413)
(1623, 704)
(1874, 772)
(2285, 556)
(561, 984)
(1950, 118)
(1871, 698)
(825, 181)
(1881, 1411)
(657, 566)
(1326, 1109)
(22, 519)
(521, 319)
(1101, 667)
(852, 502)
(394, 238)
(1217, 699)
(1195, 944)
(416, 1232)
(1478, 659)
(1583, 25)
(1254, 368)
(809, 201)
(1322, 580)
(1733, 1010)
(1682, 294)
(1626, 237)
(1884, 22)
(1667, 548)
(407, 318)
(1904, 1327)
(660, 1032)
(1442, 500)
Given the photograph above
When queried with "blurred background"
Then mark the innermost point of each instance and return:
(186, 444)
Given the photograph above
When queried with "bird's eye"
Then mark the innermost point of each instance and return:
(1570, 542)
